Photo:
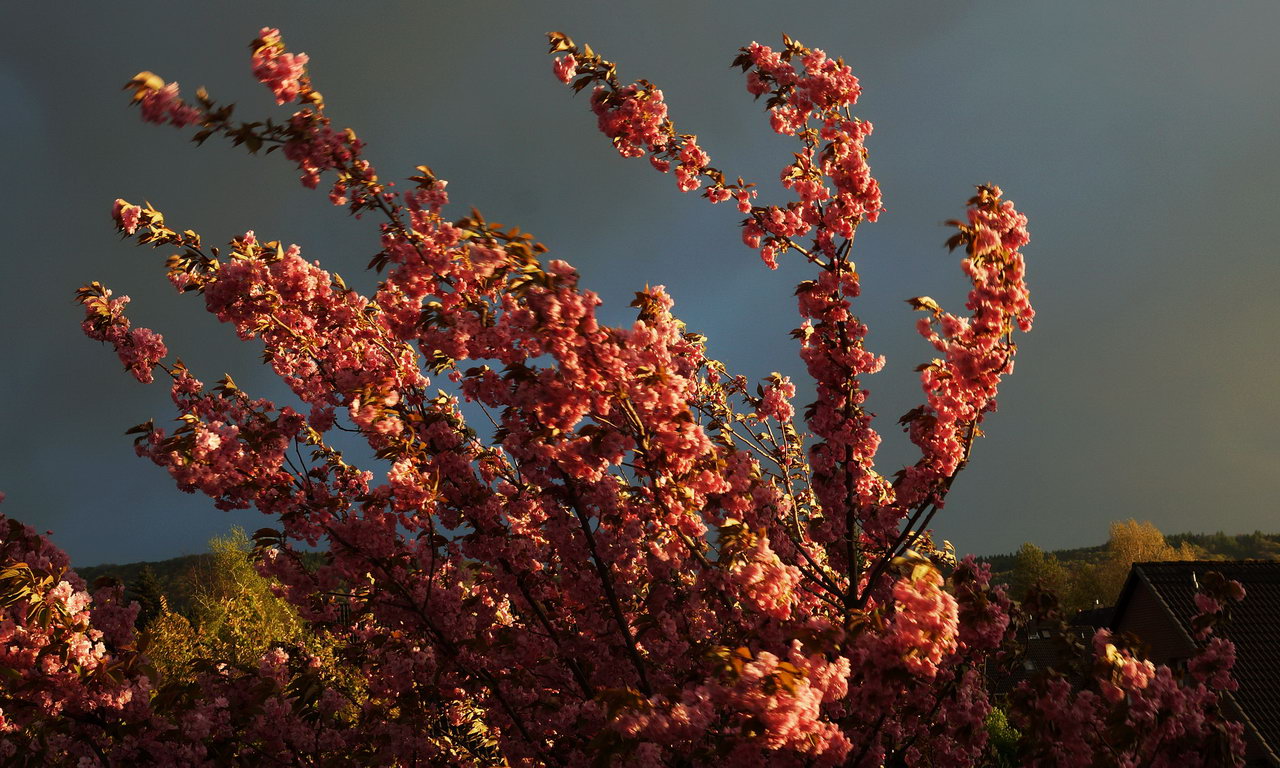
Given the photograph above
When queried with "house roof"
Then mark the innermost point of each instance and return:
(1042, 646)
(1254, 627)
(1094, 617)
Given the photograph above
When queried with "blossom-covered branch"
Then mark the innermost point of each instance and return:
(647, 561)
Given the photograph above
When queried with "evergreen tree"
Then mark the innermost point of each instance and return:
(150, 595)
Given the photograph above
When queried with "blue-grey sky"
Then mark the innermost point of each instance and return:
(1140, 137)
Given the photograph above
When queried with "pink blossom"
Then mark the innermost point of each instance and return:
(276, 68)
(163, 104)
(633, 117)
(126, 216)
(1206, 604)
(565, 68)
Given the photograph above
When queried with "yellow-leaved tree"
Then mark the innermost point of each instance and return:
(1130, 542)
(235, 618)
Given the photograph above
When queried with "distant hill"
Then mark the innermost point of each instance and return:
(174, 575)
(177, 575)
(1245, 546)
(1208, 546)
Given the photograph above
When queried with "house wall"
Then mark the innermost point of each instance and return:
(1146, 617)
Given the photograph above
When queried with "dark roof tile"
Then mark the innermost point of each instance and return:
(1254, 628)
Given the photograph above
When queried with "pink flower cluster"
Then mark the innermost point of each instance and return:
(822, 86)
(126, 216)
(315, 147)
(776, 400)
(977, 350)
(59, 649)
(276, 68)
(777, 703)
(565, 68)
(140, 349)
(833, 182)
(765, 582)
(633, 117)
(1212, 666)
(689, 169)
(227, 447)
(926, 620)
(164, 105)
(1153, 717)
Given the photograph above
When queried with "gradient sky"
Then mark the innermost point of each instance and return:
(1142, 139)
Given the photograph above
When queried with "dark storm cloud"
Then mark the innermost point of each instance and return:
(1140, 137)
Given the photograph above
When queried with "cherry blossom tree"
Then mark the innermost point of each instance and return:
(637, 557)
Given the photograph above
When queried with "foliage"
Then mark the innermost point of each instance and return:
(1207, 546)
(149, 594)
(238, 615)
(173, 646)
(235, 617)
(1096, 578)
(1003, 739)
(1220, 546)
(176, 576)
(648, 563)
(1133, 542)
(1033, 566)
(173, 576)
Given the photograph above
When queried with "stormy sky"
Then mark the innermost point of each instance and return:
(1140, 137)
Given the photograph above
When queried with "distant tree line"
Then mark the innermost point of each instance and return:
(1090, 577)
(1083, 577)
(177, 579)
